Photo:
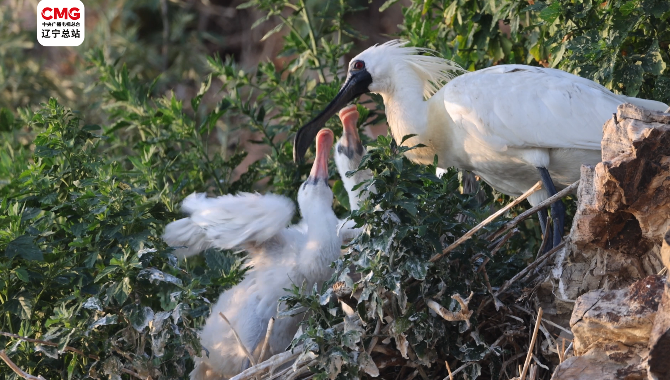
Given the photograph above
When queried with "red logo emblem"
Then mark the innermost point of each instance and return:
(63, 13)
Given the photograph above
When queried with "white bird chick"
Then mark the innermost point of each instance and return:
(349, 152)
(280, 256)
(511, 125)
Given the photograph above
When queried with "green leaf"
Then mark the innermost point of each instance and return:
(29, 213)
(107, 270)
(6, 120)
(260, 21)
(21, 306)
(248, 4)
(538, 6)
(122, 290)
(217, 260)
(272, 31)
(387, 4)
(25, 247)
(416, 267)
(628, 7)
(22, 274)
(652, 61)
(204, 86)
(631, 78)
(341, 194)
(551, 13)
(139, 316)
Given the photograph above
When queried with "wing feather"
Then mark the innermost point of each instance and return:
(518, 106)
(228, 221)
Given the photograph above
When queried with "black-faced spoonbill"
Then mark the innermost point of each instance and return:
(280, 256)
(349, 152)
(509, 124)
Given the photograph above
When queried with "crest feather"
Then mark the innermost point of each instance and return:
(433, 70)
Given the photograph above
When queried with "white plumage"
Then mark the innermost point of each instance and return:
(280, 256)
(229, 221)
(349, 152)
(512, 125)
(501, 122)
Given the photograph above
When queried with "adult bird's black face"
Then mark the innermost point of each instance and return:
(356, 84)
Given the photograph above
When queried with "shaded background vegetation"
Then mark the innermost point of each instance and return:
(101, 142)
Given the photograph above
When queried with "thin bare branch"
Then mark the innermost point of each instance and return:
(239, 341)
(271, 325)
(533, 372)
(272, 362)
(451, 376)
(545, 320)
(459, 369)
(524, 215)
(486, 221)
(50, 344)
(532, 266)
(133, 374)
(16, 368)
(373, 341)
(67, 348)
(301, 371)
(451, 316)
(532, 344)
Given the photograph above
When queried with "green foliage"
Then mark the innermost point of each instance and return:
(82, 207)
(621, 44)
(409, 219)
(83, 265)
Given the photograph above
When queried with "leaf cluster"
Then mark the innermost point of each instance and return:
(410, 217)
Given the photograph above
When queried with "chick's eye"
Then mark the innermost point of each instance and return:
(358, 65)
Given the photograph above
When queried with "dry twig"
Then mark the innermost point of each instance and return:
(239, 341)
(532, 266)
(272, 362)
(486, 221)
(532, 344)
(16, 368)
(301, 371)
(375, 338)
(544, 320)
(451, 316)
(66, 348)
(451, 376)
(503, 368)
(533, 210)
(50, 344)
(271, 324)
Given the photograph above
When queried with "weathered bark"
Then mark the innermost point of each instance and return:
(606, 277)
(622, 215)
(612, 329)
(659, 341)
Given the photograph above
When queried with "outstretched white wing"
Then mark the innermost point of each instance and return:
(228, 221)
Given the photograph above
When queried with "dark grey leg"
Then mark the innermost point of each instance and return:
(557, 208)
(542, 214)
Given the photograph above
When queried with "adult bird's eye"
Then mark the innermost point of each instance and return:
(358, 65)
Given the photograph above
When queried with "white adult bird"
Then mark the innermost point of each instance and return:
(509, 124)
(280, 256)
